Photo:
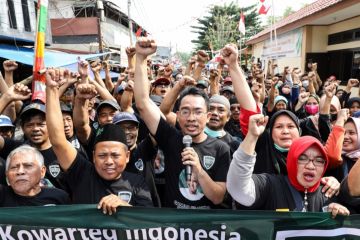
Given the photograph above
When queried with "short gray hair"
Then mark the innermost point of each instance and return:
(25, 149)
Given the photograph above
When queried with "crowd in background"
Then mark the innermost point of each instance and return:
(186, 137)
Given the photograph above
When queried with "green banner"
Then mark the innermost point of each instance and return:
(86, 222)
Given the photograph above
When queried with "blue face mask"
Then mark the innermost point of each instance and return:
(213, 133)
(281, 149)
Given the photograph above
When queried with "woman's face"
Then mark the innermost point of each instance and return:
(351, 137)
(355, 106)
(312, 101)
(284, 131)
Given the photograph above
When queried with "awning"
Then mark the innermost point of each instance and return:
(52, 58)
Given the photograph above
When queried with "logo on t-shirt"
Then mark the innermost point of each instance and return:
(125, 196)
(191, 190)
(208, 162)
(139, 164)
(54, 170)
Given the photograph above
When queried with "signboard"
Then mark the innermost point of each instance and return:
(287, 45)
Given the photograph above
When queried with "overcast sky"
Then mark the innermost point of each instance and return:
(169, 21)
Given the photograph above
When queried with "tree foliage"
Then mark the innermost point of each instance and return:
(220, 26)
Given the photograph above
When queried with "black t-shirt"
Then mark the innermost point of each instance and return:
(46, 197)
(233, 142)
(53, 171)
(87, 187)
(2, 171)
(141, 162)
(214, 156)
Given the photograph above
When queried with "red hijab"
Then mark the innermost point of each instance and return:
(297, 147)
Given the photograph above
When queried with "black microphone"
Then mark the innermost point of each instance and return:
(187, 141)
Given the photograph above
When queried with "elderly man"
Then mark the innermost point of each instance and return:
(24, 171)
(104, 181)
(220, 115)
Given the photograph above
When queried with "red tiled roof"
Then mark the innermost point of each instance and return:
(302, 13)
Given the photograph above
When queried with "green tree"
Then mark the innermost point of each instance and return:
(220, 26)
(183, 57)
(288, 11)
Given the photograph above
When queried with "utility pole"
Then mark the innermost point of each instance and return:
(101, 18)
(130, 23)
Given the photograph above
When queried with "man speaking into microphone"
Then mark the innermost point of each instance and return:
(207, 158)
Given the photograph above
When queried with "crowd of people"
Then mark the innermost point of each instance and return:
(184, 137)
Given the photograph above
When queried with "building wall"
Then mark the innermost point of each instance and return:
(61, 9)
(345, 25)
(318, 41)
(20, 32)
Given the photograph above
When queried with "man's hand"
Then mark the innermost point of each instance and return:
(10, 66)
(352, 83)
(257, 124)
(274, 81)
(96, 66)
(202, 56)
(83, 67)
(106, 65)
(330, 90)
(314, 67)
(331, 186)
(338, 209)
(187, 81)
(342, 117)
(303, 97)
(214, 73)
(230, 54)
(190, 157)
(130, 51)
(109, 203)
(145, 47)
(129, 86)
(18, 91)
(55, 78)
(85, 91)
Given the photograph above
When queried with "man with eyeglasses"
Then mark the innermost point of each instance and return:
(301, 190)
(140, 154)
(209, 157)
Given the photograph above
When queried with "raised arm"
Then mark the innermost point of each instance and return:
(149, 112)
(64, 151)
(126, 98)
(16, 92)
(108, 83)
(84, 92)
(96, 67)
(9, 68)
(241, 87)
(239, 183)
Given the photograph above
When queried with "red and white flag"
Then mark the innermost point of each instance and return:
(242, 24)
(264, 8)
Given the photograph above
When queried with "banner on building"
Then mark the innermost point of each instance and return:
(287, 45)
(86, 222)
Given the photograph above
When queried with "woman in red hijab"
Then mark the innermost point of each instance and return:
(299, 191)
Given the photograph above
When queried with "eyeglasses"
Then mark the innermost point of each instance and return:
(130, 128)
(186, 113)
(317, 161)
